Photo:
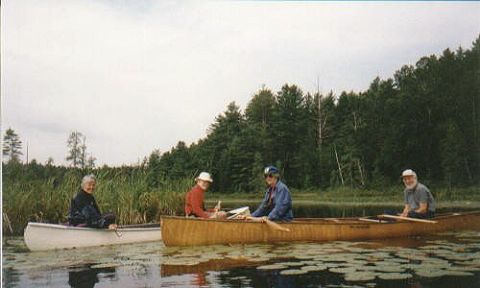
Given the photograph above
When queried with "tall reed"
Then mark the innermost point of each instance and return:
(127, 195)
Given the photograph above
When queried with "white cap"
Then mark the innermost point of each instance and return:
(409, 172)
(205, 177)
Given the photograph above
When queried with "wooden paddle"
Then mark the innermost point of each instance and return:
(370, 220)
(407, 218)
(270, 223)
(216, 208)
(275, 226)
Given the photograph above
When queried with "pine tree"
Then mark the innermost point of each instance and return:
(76, 148)
(12, 145)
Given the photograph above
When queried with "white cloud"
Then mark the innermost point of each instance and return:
(134, 76)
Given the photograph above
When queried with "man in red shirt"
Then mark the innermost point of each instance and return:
(194, 200)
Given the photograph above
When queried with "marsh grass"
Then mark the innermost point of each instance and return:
(128, 196)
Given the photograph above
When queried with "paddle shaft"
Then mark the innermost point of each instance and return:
(216, 208)
(407, 218)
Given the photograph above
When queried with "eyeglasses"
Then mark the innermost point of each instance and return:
(268, 176)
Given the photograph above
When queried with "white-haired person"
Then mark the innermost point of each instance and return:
(194, 199)
(84, 210)
(419, 202)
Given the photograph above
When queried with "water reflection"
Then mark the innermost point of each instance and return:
(85, 277)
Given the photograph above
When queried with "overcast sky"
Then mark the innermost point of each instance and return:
(134, 76)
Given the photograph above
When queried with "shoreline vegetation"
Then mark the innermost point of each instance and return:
(128, 193)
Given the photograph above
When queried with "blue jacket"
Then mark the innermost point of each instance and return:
(280, 207)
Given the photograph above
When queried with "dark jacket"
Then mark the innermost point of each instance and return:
(84, 211)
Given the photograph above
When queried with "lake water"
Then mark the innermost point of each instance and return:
(442, 260)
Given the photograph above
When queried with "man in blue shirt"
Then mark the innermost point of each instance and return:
(277, 202)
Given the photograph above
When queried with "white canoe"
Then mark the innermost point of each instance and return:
(41, 236)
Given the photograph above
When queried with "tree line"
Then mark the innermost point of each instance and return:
(426, 117)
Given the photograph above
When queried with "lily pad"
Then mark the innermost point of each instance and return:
(314, 268)
(291, 264)
(430, 273)
(360, 276)
(342, 270)
(394, 276)
(458, 273)
(272, 267)
(293, 272)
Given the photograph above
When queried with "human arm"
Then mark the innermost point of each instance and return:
(261, 209)
(405, 211)
(196, 201)
(423, 200)
(75, 215)
(283, 202)
(423, 208)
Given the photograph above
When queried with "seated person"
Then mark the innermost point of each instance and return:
(277, 202)
(419, 202)
(194, 199)
(84, 210)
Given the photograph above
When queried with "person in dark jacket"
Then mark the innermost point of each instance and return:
(277, 202)
(84, 210)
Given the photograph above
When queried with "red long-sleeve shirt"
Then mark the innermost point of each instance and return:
(194, 203)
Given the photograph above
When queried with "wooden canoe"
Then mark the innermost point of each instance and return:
(181, 231)
(41, 236)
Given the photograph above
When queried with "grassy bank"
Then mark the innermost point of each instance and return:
(342, 195)
(133, 199)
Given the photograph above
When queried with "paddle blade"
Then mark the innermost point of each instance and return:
(275, 226)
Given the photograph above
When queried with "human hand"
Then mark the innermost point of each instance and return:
(112, 226)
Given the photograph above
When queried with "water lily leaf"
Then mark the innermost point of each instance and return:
(360, 276)
(314, 268)
(293, 272)
(430, 273)
(272, 267)
(342, 270)
(458, 273)
(291, 264)
(397, 269)
(394, 276)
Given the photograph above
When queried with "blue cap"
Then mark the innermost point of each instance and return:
(271, 170)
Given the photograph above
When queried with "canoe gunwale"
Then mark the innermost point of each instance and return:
(145, 227)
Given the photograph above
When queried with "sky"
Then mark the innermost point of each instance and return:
(135, 76)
